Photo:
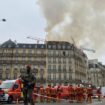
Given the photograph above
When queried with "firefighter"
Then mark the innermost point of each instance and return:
(71, 93)
(53, 94)
(79, 93)
(89, 94)
(48, 93)
(59, 90)
(99, 93)
(35, 94)
(28, 80)
(42, 93)
(85, 94)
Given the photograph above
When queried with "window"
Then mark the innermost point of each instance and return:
(17, 46)
(54, 46)
(54, 53)
(68, 47)
(49, 53)
(64, 60)
(30, 51)
(64, 46)
(15, 75)
(16, 50)
(54, 60)
(59, 67)
(42, 46)
(64, 68)
(49, 77)
(59, 60)
(24, 51)
(24, 46)
(91, 66)
(49, 46)
(49, 60)
(49, 67)
(35, 46)
(30, 46)
(59, 46)
(54, 67)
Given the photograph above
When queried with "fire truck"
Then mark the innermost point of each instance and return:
(11, 91)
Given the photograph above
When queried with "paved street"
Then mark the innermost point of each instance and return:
(65, 103)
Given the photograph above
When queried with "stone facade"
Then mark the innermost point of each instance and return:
(96, 73)
(53, 62)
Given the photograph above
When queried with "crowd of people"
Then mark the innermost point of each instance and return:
(65, 93)
(58, 93)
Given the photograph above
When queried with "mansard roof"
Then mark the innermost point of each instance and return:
(8, 44)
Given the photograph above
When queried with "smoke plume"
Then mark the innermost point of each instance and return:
(82, 20)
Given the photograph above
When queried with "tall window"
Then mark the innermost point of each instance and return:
(59, 68)
(59, 60)
(64, 68)
(49, 46)
(54, 60)
(64, 60)
(54, 68)
(49, 60)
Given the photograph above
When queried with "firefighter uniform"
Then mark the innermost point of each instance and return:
(35, 94)
(59, 90)
(48, 93)
(71, 93)
(53, 93)
(89, 94)
(42, 93)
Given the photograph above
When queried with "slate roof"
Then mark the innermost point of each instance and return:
(8, 44)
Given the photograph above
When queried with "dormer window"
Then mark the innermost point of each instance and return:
(17, 46)
(42, 46)
(35, 46)
(24, 46)
(49, 46)
(30, 46)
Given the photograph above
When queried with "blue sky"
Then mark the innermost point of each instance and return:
(24, 18)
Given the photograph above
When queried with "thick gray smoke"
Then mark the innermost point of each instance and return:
(84, 20)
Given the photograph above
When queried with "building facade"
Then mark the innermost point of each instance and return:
(96, 73)
(65, 63)
(53, 62)
(14, 58)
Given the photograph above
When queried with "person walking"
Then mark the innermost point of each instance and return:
(28, 80)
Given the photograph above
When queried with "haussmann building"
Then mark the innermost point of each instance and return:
(54, 62)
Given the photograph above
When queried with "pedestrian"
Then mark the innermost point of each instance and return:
(28, 80)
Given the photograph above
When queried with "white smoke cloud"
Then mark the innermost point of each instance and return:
(84, 20)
